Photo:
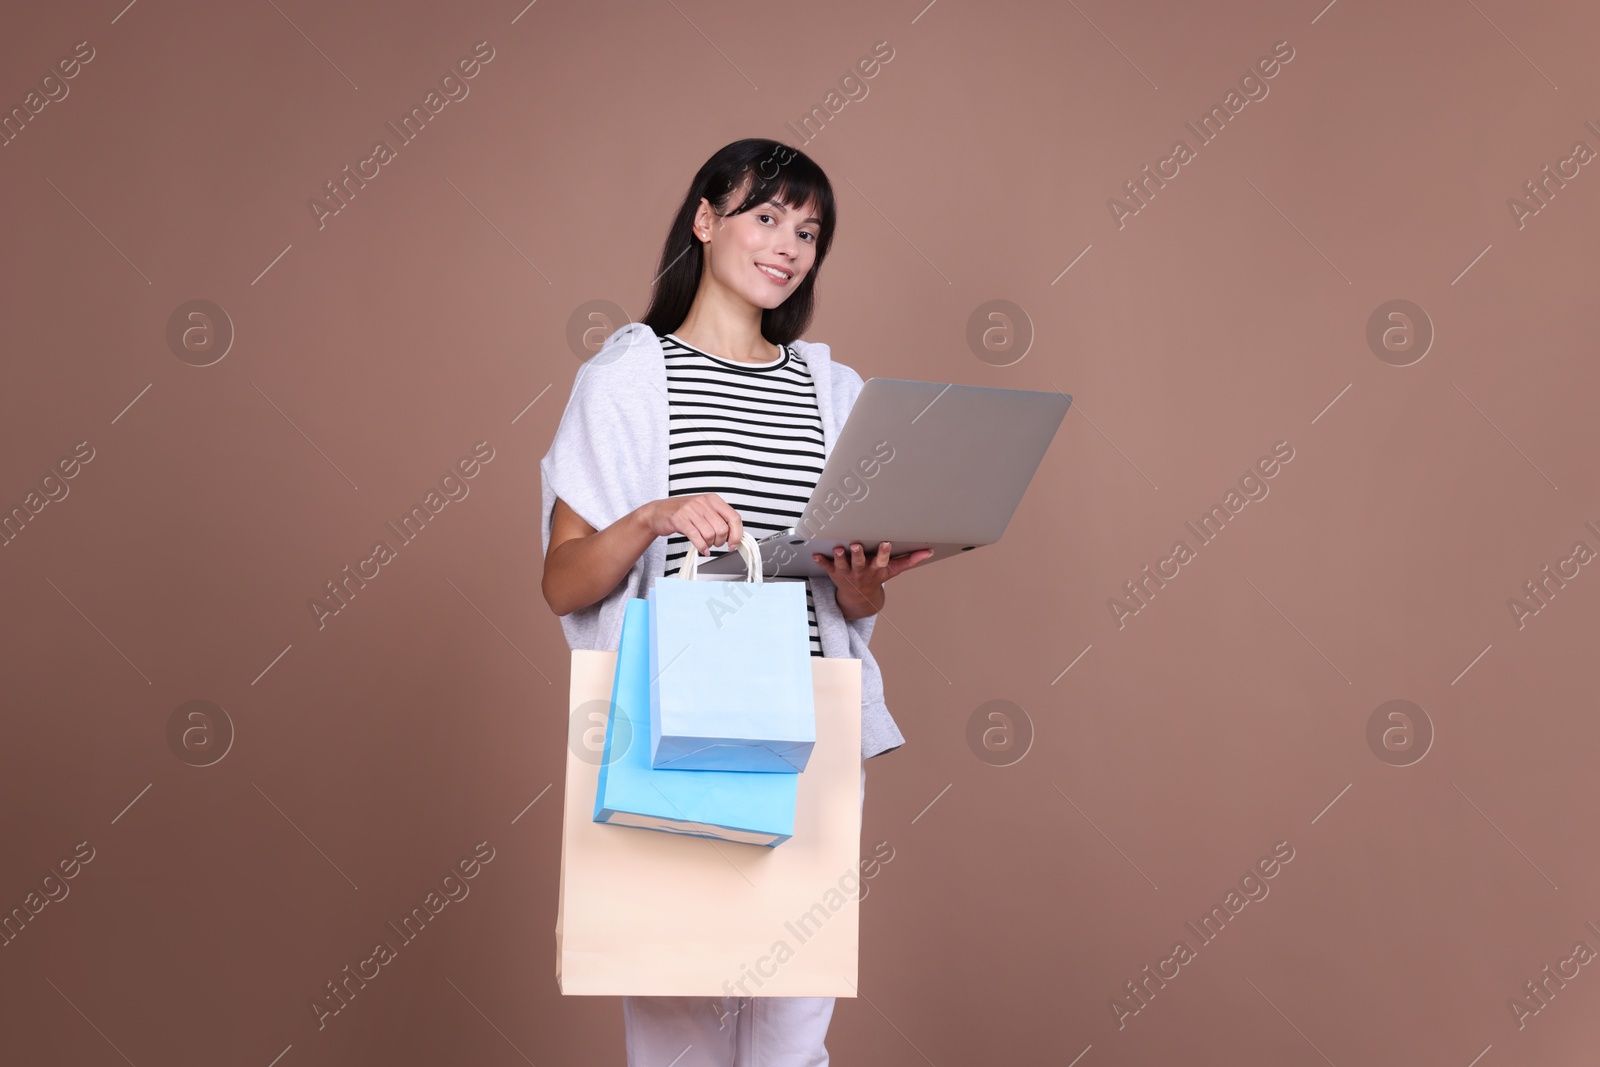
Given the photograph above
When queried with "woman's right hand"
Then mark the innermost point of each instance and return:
(705, 519)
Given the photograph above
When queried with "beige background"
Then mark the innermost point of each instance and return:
(433, 312)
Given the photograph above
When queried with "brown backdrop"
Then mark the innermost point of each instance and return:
(245, 389)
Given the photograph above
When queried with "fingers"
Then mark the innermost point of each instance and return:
(725, 513)
(854, 560)
(699, 529)
(696, 538)
(707, 521)
(855, 557)
(906, 562)
(835, 565)
(726, 522)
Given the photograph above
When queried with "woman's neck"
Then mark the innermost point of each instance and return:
(740, 342)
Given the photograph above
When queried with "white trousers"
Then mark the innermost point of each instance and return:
(729, 1031)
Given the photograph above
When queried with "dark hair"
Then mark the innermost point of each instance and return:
(774, 172)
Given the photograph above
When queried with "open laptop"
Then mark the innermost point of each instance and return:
(918, 464)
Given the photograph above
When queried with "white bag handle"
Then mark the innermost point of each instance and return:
(748, 548)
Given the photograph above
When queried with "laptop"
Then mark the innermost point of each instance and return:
(918, 464)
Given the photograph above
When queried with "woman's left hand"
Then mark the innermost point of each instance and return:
(858, 578)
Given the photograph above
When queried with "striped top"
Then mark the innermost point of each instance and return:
(749, 432)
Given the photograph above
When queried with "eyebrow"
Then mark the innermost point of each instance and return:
(780, 207)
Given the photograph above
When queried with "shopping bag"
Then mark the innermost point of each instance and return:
(730, 670)
(740, 806)
(652, 914)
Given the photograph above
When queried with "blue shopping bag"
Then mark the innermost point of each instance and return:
(727, 805)
(730, 669)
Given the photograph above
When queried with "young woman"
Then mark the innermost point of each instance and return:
(709, 418)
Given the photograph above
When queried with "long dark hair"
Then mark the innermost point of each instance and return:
(775, 172)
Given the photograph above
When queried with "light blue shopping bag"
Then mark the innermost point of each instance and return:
(730, 668)
(726, 805)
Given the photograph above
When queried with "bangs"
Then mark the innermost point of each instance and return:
(795, 185)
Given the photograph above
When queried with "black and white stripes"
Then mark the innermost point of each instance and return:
(749, 432)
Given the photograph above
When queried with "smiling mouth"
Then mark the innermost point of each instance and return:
(777, 274)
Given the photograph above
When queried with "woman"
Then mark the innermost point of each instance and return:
(707, 419)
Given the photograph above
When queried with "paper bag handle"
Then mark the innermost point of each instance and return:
(748, 548)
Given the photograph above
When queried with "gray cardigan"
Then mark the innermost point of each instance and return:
(609, 456)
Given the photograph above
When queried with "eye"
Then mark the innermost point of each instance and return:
(803, 233)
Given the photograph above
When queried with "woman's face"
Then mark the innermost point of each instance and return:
(762, 254)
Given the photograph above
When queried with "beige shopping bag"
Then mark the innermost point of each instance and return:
(646, 913)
